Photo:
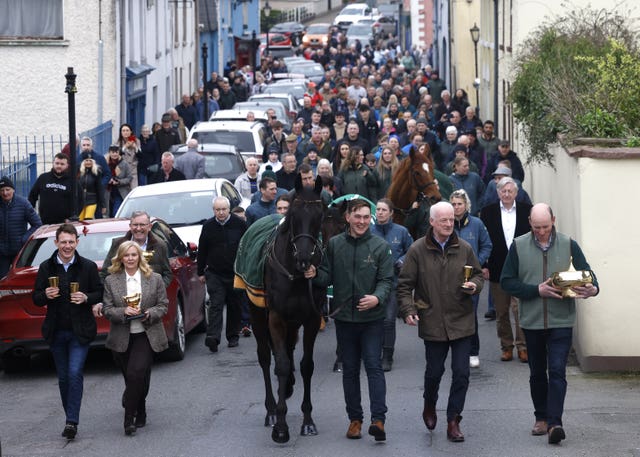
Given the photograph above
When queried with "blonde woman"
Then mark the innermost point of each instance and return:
(387, 166)
(136, 332)
(90, 188)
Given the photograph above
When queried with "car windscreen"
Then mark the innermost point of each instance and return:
(93, 246)
(359, 29)
(242, 140)
(317, 29)
(177, 209)
(297, 91)
(351, 12)
(218, 165)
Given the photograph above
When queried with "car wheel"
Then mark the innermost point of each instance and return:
(176, 349)
(12, 364)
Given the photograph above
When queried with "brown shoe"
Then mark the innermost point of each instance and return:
(453, 430)
(355, 429)
(376, 429)
(539, 428)
(507, 356)
(429, 416)
(523, 356)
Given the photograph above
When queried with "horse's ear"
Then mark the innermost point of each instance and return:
(318, 186)
(298, 184)
(412, 153)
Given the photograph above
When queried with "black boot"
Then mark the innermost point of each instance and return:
(129, 427)
(387, 359)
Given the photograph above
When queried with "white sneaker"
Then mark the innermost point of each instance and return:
(474, 361)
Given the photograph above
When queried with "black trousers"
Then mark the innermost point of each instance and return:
(221, 292)
(135, 364)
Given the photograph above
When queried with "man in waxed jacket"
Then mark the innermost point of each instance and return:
(435, 295)
(360, 267)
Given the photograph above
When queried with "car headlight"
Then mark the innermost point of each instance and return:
(305, 39)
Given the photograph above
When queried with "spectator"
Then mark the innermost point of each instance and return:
(91, 192)
(467, 180)
(266, 204)
(286, 176)
(130, 149)
(86, 146)
(167, 136)
(120, 183)
(149, 154)
(53, 189)
(505, 153)
(191, 163)
(247, 182)
(178, 124)
(166, 172)
(187, 111)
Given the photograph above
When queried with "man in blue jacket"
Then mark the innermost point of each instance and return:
(18, 220)
(546, 316)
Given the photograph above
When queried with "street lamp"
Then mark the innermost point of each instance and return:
(71, 89)
(204, 82)
(267, 13)
(475, 37)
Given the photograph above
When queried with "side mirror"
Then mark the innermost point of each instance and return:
(192, 250)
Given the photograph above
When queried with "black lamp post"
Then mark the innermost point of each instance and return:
(267, 14)
(71, 89)
(204, 81)
(475, 37)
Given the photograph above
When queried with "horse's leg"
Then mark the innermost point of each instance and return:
(260, 327)
(311, 326)
(292, 339)
(278, 331)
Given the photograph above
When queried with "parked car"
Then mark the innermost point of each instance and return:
(351, 14)
(362, 32)
(297, 87)
(183, 205)
(288, 101)
(317, 35)
(220, 160)
(258, 106)
(21, 320)
(311, 70)
(278, 43)
(248, 137)
(382, 25)
(293, 30)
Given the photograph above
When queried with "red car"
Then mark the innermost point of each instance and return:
(21, 320)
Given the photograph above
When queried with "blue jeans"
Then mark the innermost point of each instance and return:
(436, 355)
(116, 201)
(69, 356)
(142, 179)
(358, 342)
(548, 351)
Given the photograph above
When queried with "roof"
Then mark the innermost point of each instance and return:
(94, 225)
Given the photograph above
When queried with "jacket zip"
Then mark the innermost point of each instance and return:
(544, 299)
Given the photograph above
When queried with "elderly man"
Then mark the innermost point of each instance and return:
(191, 163)
(435, 293)
(167, 136)
(217, 249)
(247, 182)
(18, 221)
(505, 221)
(546, 316)
(286, 176)
(167, 172)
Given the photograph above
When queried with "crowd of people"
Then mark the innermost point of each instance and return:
(374, 106)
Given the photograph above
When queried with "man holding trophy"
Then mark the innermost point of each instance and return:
(439, 276)
(535, 271)
(68, 284)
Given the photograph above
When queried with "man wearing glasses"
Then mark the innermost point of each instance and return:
(140, 232)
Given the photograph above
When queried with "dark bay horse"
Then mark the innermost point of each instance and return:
(292, 302)
(412, 182)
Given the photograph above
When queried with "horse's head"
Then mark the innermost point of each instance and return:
(304, 224)
(333, 222)
(422, 176)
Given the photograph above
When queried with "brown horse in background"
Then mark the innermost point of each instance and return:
(412, 182)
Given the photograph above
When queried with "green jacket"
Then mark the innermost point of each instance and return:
(527, 265)
(356, 267)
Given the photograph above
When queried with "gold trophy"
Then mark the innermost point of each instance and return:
(74, 287)
(133, 301)
(148, 255)
(468, 271)
(565, 280)
(54, 281)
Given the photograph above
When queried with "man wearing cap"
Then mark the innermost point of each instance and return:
(53, 189)
(491, 194)
(505, 153)
(368, 126)
(191, 164)
(18, 221)
(273, 160)
(167, 136)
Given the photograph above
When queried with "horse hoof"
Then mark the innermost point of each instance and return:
(270, 420)
(337, 367)
(280, 436)
(308, 430)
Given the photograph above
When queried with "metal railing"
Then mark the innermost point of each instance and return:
(23, 158)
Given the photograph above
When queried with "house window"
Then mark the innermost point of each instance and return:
(31, 20)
